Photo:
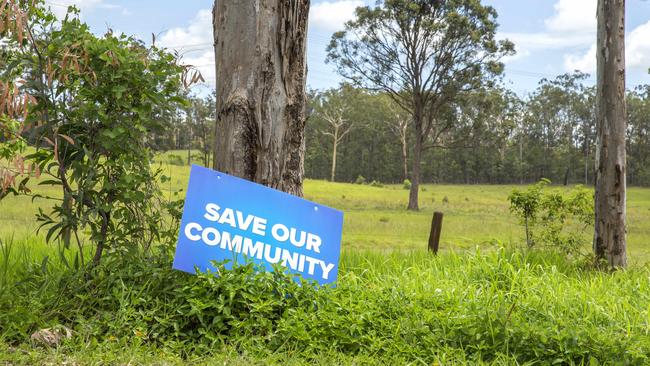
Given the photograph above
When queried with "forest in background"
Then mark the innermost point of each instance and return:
(496, 136)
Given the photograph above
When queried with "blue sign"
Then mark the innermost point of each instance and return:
(226, 217)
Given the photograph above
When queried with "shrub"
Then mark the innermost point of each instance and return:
(360, 180)
(406, 184)
(553, 219)
(92, 143)
(174, 159)
(376, 183)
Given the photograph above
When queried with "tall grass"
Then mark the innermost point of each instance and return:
(376, 217)
(502, 306)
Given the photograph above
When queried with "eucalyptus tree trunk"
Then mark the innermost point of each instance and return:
(405, 161)
(609, 234)
(419, 137)
(335, 142)
(415, 175)
(260, 68)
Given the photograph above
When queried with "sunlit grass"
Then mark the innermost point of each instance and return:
(375, 218)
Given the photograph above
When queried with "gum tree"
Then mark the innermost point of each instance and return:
(424, 54)
(260, 68)
(333, 107)
(611, 124)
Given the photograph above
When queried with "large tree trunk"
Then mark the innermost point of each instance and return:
(260, 67)
(609, 234)
(418, 117)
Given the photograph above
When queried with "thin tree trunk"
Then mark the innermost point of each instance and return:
(587, 166)
(609, 233)
(335, 141)
(99, 250)
(260, 68)
(566, 175)
(405, 162)
(586, 153)
(189, 142)
(415, 175)
(521, 162)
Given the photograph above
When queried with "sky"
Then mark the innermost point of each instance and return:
(551, 37)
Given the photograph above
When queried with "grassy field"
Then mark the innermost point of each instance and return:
(480, 302)
(375, 217)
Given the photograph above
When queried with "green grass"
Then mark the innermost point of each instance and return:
(375, 217)
(500, 307)
(476, 303)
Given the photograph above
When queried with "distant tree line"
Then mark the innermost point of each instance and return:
(190, 128)
(496, 138)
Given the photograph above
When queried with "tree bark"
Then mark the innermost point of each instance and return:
(609, 234)
(335, 141)
(405, 161)
(418, 117)
(189, 143)
(260, 68)
(415, 175)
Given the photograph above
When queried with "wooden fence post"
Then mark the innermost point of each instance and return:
(436, 228)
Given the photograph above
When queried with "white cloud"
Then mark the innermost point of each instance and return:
(521, 53)
(637, 52)
(60, 7)
(637, 47)
(194, 43)
(330, 16)
(572, 24)
(573, 16)
(585, 63)
(204, 62)
(547, 40)
(199, 31)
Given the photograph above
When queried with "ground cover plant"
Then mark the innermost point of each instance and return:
(397, 307)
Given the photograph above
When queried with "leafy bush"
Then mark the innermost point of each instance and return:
(406, 184)
(360, 180)
(91, 144)
(174, 159)
(141, 297)
(552, 219)
(376, 183)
